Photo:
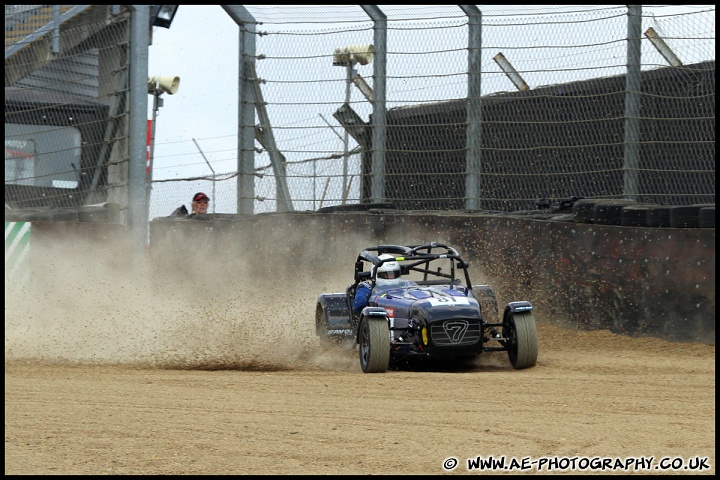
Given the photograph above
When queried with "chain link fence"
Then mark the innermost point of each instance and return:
(433, 107)
(66, 77)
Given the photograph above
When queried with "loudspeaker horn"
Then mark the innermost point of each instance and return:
(362, 54)
(168, 85)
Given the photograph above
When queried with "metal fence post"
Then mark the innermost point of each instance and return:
(137, 129)
(379, 124)
(633, 85)
(473, 129)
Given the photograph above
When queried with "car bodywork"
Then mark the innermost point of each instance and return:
(433, 312)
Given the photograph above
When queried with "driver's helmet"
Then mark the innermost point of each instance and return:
(387, 271)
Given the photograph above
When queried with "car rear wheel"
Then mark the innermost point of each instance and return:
(321, 324)
(374, 344)
(521, 333)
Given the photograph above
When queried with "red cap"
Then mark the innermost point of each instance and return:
(200, 196)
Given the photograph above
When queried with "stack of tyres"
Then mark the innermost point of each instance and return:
(609, 212)
(629, 213)
(635, 215)
(687, 216)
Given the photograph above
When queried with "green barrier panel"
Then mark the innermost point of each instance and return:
(17, 247)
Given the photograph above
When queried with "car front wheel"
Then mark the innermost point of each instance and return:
(521, 333)
(374, 344)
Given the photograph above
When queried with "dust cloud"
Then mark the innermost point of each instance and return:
(199, 301)
(90, 303)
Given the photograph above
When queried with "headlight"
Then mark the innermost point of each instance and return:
(424, 336)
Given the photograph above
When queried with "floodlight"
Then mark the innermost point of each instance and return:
(162, 15)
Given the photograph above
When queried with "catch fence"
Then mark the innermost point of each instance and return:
(433, 107)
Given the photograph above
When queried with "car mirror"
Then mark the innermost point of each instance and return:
(364, 276)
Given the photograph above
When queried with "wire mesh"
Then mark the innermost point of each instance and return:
(554, 128)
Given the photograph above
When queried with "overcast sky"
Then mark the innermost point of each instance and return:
(201, 47)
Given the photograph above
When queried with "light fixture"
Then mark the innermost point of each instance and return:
(157, 85)
(162, 15)
(352, 123)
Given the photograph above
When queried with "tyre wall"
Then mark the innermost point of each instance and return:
(630, 280)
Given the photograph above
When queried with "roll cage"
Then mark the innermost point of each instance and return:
(415, 258)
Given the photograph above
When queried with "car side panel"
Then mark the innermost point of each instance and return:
(338, 313)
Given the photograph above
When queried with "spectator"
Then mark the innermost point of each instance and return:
(199, 206)
(200, 203)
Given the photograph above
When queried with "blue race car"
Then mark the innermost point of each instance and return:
(428, 309)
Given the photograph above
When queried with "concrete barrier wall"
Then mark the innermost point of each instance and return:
(635, 281)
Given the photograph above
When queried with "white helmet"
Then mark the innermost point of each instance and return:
(388, 270)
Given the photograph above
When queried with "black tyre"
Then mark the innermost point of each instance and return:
(374, 344)
(634, 215)
(322, 329)
(521, 333)
(321, 324)
(707, 217)
(356, 207)
(685, 216)
(609, 212)
(584, 210)
(659, 216)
